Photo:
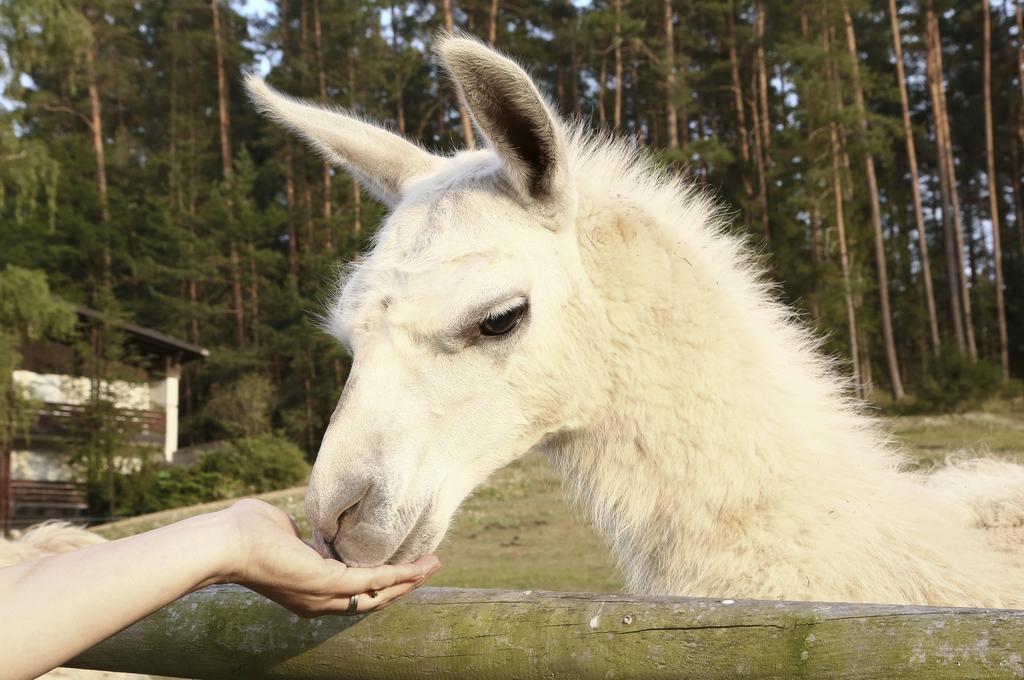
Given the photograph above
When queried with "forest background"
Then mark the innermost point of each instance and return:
(870, 150)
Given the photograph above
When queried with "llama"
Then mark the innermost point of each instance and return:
(555, 292)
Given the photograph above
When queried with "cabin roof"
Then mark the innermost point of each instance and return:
(161, 342)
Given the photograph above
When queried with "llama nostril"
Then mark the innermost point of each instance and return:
(349, 512)
(350, 515)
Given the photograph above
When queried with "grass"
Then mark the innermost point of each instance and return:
(517, 531)
(930, 439)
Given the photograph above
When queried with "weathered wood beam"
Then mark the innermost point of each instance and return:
(230, 632)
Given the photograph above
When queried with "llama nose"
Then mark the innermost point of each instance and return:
(333, 511)
(350, 515)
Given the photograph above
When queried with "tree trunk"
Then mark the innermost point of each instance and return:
(467, 124)
(226, 157)
(762, 76)
(954, 259)
(96, 125)
(193, 200)
(357, 197)
(1020, 59)
(293, 236)
(671, 120)
(844, 260)
(560, 87)
(759, 155)
(816, 257)
(357, 208)
(328, 203)
(837, 193)
(635, 113)
(617, 47)
(867, 375)
(236, 294)
(399, 83)
(574, 60)
(953, 264)
(289, 171)
(993, 199)
(602, 81)
(934, 42)
(254, 294)
(737, 95)
(492, 23)
(307, 198)
(881, 266)
(1019, 20)
(915, 186)
(5, 473)
(222, 94)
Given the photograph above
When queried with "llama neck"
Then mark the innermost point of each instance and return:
(718, 408)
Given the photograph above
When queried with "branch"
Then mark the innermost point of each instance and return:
(67, 109)
(641, 47)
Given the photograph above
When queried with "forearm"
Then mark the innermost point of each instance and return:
(52, 609)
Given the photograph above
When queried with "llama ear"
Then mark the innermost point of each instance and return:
(380, 160)
(511, 114)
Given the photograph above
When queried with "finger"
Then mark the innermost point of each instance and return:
(365, 603)
(362, 579)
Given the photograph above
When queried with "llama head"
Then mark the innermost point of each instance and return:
(471, 323)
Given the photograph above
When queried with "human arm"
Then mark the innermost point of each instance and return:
(53, 608)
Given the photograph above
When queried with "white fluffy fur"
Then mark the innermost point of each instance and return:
(43, 540)
(690, 415)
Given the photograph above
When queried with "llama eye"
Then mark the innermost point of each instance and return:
(503, 323)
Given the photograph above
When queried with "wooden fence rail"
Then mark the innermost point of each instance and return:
(229, 632)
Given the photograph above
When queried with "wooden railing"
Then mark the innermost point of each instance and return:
(58, 421)
(230, 632)
(66, 497)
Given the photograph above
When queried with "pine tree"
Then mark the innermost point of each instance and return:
(881, 267)
(993, 201)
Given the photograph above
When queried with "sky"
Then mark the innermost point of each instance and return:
(255, 8)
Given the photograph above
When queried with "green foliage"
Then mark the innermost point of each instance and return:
(27, 311)
(240, 264)
(955, 383)
(246, 467)
(257, 464)
(242, 407)
(27, 307)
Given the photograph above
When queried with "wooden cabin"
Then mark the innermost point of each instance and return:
(40, 483)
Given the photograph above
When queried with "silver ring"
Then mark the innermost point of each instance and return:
(353, 603)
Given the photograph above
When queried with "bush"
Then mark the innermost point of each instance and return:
(956, 383)
(257, 464)
(241, 408)
(248, 466)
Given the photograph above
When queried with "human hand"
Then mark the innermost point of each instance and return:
(274, 561)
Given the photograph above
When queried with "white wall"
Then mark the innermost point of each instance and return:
(66, 389)
(165, 394)
(40, 467)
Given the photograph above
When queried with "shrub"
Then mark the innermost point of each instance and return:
(956, 383)
(248, 466)
(241, 408)
(257, 464)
